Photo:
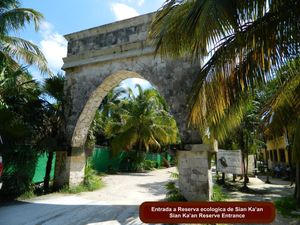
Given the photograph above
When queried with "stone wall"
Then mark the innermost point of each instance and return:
(195, 180)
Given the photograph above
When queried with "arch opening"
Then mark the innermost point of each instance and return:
(87, 115)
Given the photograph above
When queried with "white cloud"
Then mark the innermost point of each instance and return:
(123, 11)
(132, 82)
(53, 45)
(134, 2)
(141, 2)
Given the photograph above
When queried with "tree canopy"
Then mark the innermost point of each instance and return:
(141, 121)
(13, 49)
(243, 42)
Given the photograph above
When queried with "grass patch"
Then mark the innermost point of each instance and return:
(173, 193)
(95, 185)
(149, 165)
(91, 182)
(218, 194)
(73, 190)
(27, 195)
(286, 205)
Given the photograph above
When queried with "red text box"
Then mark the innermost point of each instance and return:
(207, 212)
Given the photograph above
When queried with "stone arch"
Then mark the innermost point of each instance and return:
(100, 58)
(86, 116)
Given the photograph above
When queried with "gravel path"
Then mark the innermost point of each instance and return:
(117, 203)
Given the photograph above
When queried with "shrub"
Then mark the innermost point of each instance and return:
(173, 193)
(286, 205)
(19, 168)
(91, 181)
(28, 194)
(149, 165)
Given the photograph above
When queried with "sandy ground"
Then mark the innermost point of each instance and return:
(117, 203)
(266, 192)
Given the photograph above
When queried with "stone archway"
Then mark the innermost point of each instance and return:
(89, 110)
(100, 58)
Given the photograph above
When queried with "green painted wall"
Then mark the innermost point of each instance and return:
(102, 161)
(40, 168)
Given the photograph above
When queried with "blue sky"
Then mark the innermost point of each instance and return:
(68, 16)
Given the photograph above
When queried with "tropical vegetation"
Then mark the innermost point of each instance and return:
(15, 50)
(24, 114)
(135, 123)
(242, 45)
(141, 121)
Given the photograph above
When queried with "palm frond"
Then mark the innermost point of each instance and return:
(24, 50)
(143, 116)
(246, 40)
(54, 87)
(14, 19)
(283, 109)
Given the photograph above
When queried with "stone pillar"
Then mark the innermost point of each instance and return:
(69, 170)
(195, 179)
(77, 165)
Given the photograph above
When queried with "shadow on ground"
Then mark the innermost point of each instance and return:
(37, 213)
(156, 188)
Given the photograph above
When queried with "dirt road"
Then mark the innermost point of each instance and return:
(117, 203)
(265, 192)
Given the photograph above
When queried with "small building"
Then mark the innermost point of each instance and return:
(277, 152)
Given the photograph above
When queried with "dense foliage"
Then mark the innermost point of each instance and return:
(243, 42)
(141, 121)
(15, 49)
(245, 45)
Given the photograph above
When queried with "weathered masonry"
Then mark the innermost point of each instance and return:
(100, 58)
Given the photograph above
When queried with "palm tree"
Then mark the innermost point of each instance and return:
(112, 98)
(242, 41)
(141, 121)
(51, 137)
(21, 117)
(107, 106)
(19, 97)
(15, 49)
(282, 112)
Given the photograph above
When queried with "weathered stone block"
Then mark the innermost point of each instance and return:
(195, 181)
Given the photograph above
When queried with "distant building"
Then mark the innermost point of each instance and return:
(277, 152)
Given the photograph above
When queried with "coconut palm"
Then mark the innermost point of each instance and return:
(19, 96)
(21, 117)
(243, 42)
(142, 122)
(282, 113)
(14, 49)
(51, 137)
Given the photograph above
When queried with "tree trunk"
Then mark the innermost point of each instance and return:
(166, 162)
(297, 183)
(247, 167)
(217, 172)
(243, 149)
(233, 177)
(48, 171)
(223, 178)
(268, 170)
(244, 172)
